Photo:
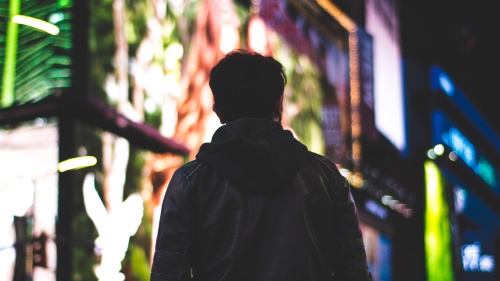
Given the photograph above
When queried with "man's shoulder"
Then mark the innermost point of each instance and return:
(190, 168)
(323, 161)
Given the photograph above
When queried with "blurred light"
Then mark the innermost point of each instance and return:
(82, 151)
(344, 172)
(437, 226)
(76, 163)
(386, 199)
(393, 204)
(453, 156)
(408, 213)
(36, 23)
(173, 54)
(40, 121)
(358, 181)
(255, 9)
(460, 198)
(439, 149)
(400, 207)
(446, 84)
(431, 154)
(376, 209)
(337, 14)
(56, 17)
(472, 260)
(149, 105)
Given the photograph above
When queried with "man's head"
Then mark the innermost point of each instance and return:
(247, 85)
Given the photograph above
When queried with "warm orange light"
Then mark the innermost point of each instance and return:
(338, 15)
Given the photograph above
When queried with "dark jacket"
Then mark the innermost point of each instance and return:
(256, 205)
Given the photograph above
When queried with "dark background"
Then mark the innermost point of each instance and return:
(462, 36)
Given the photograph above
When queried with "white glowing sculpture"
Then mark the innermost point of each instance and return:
(114, 228)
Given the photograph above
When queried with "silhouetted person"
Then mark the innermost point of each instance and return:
(256, 204)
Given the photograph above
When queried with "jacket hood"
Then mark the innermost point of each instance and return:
(255, 155)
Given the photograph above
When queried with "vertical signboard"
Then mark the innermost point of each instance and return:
(447, 133)
(437, 227)
(382, 24)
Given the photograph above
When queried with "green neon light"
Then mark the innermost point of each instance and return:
(438, 250)
(9, 71)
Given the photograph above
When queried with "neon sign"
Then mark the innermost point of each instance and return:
(461, 145)
(445, 132)
(467, 152)
(441, 83)
(472, 260)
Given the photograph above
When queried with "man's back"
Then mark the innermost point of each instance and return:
(256, 205)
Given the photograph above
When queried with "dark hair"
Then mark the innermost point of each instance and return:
(247, 84)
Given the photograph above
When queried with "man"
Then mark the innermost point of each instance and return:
(256, 205)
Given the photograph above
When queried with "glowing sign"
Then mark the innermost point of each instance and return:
(461, 145)
(382, 23)
(447, 133)
(376, 209)
(441, 82)
(472, 260)
(466, 151)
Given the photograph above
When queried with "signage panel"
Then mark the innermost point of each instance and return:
(440, 81)
(445, 132)
(382, 24)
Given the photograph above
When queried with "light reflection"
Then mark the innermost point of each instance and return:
(36, 23)
(386, 199)
(76, 163)
(453, 156)
(431, 154)
(439, 149)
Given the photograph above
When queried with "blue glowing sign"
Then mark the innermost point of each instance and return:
(446, 132)
(440, 81)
